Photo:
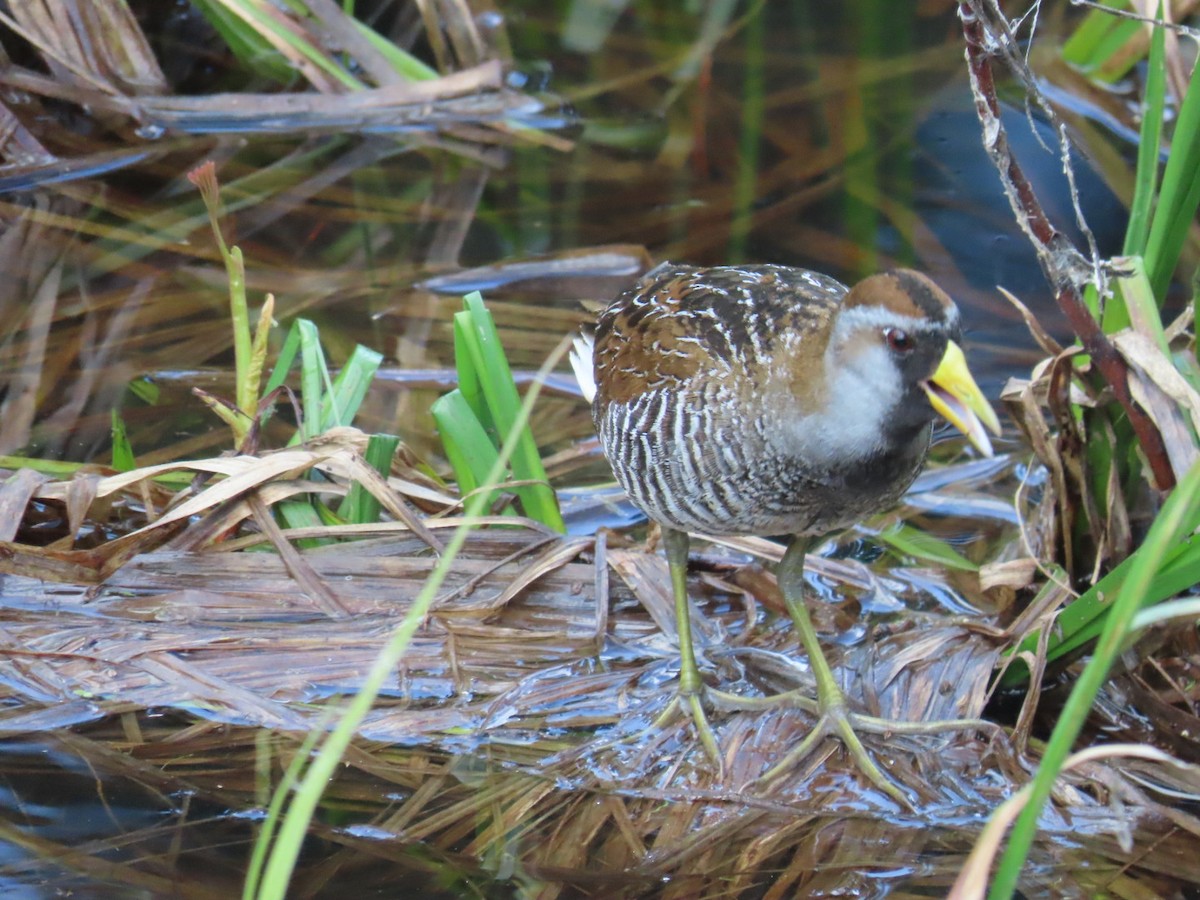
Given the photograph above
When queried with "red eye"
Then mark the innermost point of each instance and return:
(898, 340)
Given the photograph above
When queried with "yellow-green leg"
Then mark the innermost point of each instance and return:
(834, 717)
(691, 687)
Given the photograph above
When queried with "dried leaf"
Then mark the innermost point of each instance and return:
(1165, 395)
(1014, 574)
(1049, 345)
(15, 495)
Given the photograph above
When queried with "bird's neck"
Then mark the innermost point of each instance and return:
(843, 415)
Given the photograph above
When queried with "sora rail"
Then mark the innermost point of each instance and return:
(772, 400)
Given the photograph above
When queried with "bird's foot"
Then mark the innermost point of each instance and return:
(690, 702)
(834, 719)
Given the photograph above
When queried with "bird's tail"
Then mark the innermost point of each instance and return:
(581, 363)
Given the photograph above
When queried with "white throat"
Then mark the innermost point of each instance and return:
(862, 389)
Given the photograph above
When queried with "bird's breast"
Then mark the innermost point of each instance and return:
(696, 467)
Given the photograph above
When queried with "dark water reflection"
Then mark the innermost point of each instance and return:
(863, 154)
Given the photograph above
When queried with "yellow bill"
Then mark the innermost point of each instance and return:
(955, 395)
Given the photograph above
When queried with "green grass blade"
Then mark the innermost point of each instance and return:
(259, 348)
(341, 404)
(468, 448)
(255, 52)
(303, 341)
(253, 26)
(1180, 571)
(1091, 299)
(287, 356)
(404, 63)
(913, 542)
(1139, 302)
(301, 514)
(145, 390)
(55, 468)
(500, 391)
(1173, 522)
(1083, 48)
(243, 341)
(204, 177)
(470, 380)
(360, 506)
(123, 459)
(1107, 68)
(314, 378)
(1137, 232)
(1179, 195)
(1082, 620)
(266, 834)
(1176, 609)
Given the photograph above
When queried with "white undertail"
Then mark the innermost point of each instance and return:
(581, 363)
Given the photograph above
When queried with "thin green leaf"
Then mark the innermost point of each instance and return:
(123, 459)
(350, 388)
(1137, 231)
(1165, 612)
(302, 514)
(1179, 195)
(1082, 49)
(314, 378)
(360, 506)
(913, 542)
(1091, 299)
(1082, 620)
(503, 401)
(1133, 286)
(145, 390)
(470, 379)
(231, 417)
(246, 394)
(270, 33)
(468, 447)
(254, 51)
(303, 341)
(52, 467)
(259, 348)
(270, 825)
(404, 63)
(1111, 60)
(1180, 570)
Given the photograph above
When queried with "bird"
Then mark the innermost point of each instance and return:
(772, 400)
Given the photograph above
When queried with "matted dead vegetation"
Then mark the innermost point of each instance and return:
(97, 58)
(521, 723)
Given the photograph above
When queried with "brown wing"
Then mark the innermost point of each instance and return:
(679, 322)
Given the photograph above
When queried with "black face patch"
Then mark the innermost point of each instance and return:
(914, 412)
(919, 363)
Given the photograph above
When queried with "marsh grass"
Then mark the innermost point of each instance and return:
(476, 418)
(1103, 465)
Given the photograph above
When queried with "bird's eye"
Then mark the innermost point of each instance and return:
(898, 340)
